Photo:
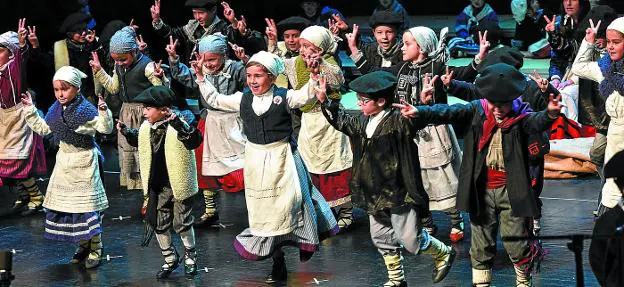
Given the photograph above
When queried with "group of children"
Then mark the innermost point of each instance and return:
(272, 125)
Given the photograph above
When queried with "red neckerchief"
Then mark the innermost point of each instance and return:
(490, 125)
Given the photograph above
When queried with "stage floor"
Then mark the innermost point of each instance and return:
(345, 260)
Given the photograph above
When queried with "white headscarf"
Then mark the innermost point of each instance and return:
(320, 37)
(519, 10)
(617, 25)
(426, 39)
(71, 75)
(270, 61)
(10, 41)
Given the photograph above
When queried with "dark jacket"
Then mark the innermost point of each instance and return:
(371, 55)
(606, 251)
(386, 170)
(472, 177)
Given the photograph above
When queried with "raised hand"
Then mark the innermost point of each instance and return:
(95, 62)
(228, 13)
(352, 39)
(406, 109)
(32, 36)
(22, 33)
(102, 106)
(340, 23)
(542, 83)
(239, 52)
(590, 33)
(242, 25)
(90, 36)
(313, 64)
(550, 24)
(27, 99)
(134, 26)
(484, 45)
(321, 89)
(158, 70)
(171, 48)
(198, 65)
(447, 77)
(554, 105)
(155, 11)
(142, 44)
(426, 94)
(271, 31)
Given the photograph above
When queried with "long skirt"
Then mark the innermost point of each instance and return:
(72, 227)
(131, 114)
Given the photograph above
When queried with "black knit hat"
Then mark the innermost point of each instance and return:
(292, 23)
(505, 55)
(384, 17)
(500, 83)
(75, 22)
(201, 4)
(378, 84)
(615, 166)
(156, 96)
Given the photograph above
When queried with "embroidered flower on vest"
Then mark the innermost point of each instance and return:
(277, 100)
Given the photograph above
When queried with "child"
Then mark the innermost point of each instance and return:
(387, 51)
(75, 197)
(394, 7)
(220, 157)
(475, 13)
(133, 73)
(283, 206)
(289, 31)
(386, 175)
(22, 155)
(169, 174)
(494, 182)
(606, 71)
(530, 34)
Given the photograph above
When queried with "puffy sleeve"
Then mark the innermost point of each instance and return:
(228, 103)
(35, 122)
(583, 65)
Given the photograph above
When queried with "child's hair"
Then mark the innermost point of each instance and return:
(66, 85)
(251, 64)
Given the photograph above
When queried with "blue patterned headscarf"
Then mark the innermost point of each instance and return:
(216, 44)
(124, 41)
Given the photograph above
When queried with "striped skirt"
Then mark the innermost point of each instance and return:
(318, 224)
(72, 227)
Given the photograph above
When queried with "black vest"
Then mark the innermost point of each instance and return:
(133, 80)
(272, 126)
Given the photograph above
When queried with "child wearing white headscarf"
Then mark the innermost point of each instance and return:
(220, 158)
(283, 206)
(22, 155)
(75, 195)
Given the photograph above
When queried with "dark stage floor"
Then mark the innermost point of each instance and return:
(345, 260)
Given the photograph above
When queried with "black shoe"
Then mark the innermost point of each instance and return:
(207, 220)
(439, 274)
(80, 256)
(31, 211)
(278, 272)
(168, 268)
(21, 205)
(190, 269)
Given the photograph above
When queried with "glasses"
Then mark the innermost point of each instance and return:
(364, 100)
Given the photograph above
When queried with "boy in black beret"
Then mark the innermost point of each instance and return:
(289, 31)
(166, 146)
(494, 181)
(386, 175)
(386, 52)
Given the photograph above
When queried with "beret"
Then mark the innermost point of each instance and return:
(292, 23)
(500, 83)
(384, 17)
(505, 55)
(378, 84)
(156, 96)
(201, 4)
(75, 22)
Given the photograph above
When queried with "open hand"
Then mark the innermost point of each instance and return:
(406, 109)
(155, 11)
(171, 48)
(95, 62)
(271, 31)
(158, 70)
(22, 33)
(550, 24)
(352, 39)
(32, 36)
(484, 45)
(27, 99)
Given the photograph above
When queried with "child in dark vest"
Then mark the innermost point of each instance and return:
(494, 180)
(386, 178)
(75, 195)
(283, 206)
(166, 146)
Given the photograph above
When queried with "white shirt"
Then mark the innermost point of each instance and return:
(373, 122)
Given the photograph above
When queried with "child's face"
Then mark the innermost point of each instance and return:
(309, 8)
(615, 45)
(600, 43)
(477, 3)
(385, 36)
(369, 106)
(213, 62)
(203, 16)
(5, 55)
(385, 3)
(79, 37)
(500, 110)
(308, 49)
(571, 7)
(411, 49)
(153, 114)
(124, 60)
(291, 39)
(258, 80)
(64, 92)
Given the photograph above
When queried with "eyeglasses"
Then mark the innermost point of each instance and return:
(364, 100)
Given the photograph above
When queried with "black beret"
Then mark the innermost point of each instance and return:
(156, 96)
(75, 22)
(201, 4)
(384, 17)
(378, 84)
(292, 23)
(615, 166)
(500, 83)
(603, 13)
(506, 55)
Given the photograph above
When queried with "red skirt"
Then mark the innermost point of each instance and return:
(35, 164)
(231, 182)
(334, 186)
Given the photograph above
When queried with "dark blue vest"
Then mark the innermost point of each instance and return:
(272, 126)
(133, 80)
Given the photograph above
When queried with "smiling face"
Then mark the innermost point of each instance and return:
(123, 60)
(291, 39)
(64, 92)
(615, 45)
(411, 49)
(259, 80)
(385, 36)
(213, 62)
